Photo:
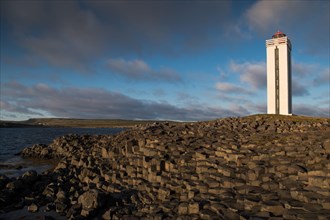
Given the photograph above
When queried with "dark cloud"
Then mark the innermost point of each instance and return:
(59, 32)
(70, 33)
(299, 89)
(259, 108)
(99, 103)
(43, 101)
(311, 110)
(312, 74)
(265, 17)
(302, 70)
(139, 70)
(188, 25)
(323, 78)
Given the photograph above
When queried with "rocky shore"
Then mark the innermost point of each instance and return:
(257, 167)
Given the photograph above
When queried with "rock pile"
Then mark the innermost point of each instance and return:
(236, 168)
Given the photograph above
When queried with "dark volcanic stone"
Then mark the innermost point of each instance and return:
(30, 177)
(256, 167)
(3, 181)
(15, 185)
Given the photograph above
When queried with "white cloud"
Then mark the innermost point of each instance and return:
(231, 88)
(252, 73)
(139, 70)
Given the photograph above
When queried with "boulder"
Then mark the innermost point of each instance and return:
(91, 200)
(33, 208)
(29, 177)
(15, 185)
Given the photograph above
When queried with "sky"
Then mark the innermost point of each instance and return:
(157, 60)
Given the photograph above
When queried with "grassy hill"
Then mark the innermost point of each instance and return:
(64, 122)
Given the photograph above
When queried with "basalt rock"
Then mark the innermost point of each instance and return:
(258, 167)
(30, 177)
(3, 181)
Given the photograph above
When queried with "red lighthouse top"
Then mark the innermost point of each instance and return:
(278, 34)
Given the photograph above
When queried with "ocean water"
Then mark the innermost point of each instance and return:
(13, 140)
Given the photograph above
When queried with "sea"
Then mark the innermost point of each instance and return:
(14, 140)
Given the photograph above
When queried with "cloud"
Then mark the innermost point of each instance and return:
(187, 24)
(222, 73)
(231, 88)
(302, 70)
(139, 70)
(62, 34)
(73, 34)
(264, 14)
(311, 110)
(252, 73)
(299, 89)
(259, 107)
(12, 108)
(265, 17)
(41, 100)
(99, 103)
(323, 78)
(158, 92)
(229, 98)
(314, 74)
(255, 75)
(308, 75)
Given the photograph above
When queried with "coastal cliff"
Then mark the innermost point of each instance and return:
(259, 167)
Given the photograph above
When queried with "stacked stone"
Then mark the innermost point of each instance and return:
(235, 168)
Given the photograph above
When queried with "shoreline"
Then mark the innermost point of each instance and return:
(233, 168)
(20, 165)
(75, 123)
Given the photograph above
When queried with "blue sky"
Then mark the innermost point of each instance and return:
(176, 60)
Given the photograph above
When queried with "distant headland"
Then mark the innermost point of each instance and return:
(71, 122)
(117, 123)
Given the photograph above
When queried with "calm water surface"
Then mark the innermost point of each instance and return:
(13, 140)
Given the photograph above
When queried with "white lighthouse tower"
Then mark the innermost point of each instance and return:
(279, 95)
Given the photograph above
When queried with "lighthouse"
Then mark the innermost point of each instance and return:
(279, 91)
